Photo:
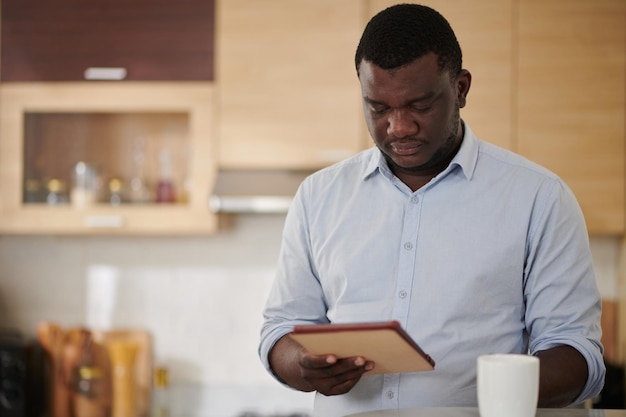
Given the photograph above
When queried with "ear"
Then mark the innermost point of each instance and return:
(463, 83)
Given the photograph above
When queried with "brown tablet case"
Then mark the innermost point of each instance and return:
(384, 343)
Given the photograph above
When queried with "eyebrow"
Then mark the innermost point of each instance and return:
(431, 95)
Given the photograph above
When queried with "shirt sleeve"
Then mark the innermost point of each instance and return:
(296, 296)
(563, 305)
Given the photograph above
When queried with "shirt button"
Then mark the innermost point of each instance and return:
(402, 294)
(389, 395)
(408, 245)
(414, 199)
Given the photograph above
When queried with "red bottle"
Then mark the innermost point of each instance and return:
(165, 190)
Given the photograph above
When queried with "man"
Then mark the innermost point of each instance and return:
(472, 248)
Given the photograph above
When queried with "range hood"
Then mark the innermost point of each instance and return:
(255, 191)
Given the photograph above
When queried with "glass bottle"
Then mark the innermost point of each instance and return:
(165, 191)
(139, 191)
(160, 394)
(90, 383)
(85, 181)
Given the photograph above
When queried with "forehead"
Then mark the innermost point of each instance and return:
(420, 77)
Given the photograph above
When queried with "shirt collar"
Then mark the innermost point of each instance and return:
(466, 158)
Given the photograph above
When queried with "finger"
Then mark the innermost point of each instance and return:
(335, 372)
(310, 361)
(343, 368)
(334, 379)
(337, 385)
(338, 389)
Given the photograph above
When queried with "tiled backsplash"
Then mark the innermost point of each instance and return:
(200, 297)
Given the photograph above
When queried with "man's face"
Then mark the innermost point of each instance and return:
(412, 113)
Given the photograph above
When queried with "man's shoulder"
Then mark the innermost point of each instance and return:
(510, 159)
(356, 166)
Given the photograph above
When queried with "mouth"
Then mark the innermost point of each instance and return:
(405, 148)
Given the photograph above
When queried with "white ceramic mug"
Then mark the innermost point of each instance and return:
(508, 385)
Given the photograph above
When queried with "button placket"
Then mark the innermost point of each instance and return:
(404, 282)
(391, 385)
(406, 258)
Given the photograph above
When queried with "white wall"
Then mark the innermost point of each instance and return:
(200, 297)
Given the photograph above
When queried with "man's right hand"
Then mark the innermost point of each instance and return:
(325, 374)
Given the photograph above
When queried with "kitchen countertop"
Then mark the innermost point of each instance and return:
(473, 412)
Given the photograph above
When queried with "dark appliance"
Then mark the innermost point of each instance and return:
(22, 365)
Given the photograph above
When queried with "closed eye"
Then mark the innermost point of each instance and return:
(425, 105)
(422, 109)
(377, 109)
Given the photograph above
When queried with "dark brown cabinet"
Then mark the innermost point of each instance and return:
(66, 40)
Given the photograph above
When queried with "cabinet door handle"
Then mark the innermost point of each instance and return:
(103, 222)
(105, 73)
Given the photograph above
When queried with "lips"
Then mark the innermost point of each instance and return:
(405, 148)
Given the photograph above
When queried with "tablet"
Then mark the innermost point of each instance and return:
(385, 343)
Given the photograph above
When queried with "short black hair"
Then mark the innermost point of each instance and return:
(400, 34)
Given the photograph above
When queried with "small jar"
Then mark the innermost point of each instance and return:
(57, 192)
(34, 192)
(115, 191)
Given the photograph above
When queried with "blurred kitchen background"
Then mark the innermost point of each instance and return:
(200, 297)
(149, 151)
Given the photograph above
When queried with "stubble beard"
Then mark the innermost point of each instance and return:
(442, 156)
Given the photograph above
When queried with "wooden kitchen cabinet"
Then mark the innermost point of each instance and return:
(570, 100)
(484, 31)
(46, 129)
(289, 96)
(548, 82)
(150, 40)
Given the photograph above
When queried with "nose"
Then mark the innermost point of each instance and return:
(400, 124)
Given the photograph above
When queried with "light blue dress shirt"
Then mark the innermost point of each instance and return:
(492, 255)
